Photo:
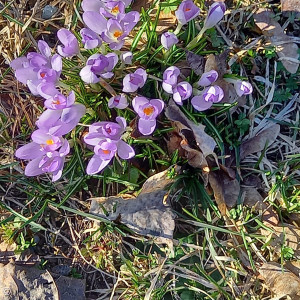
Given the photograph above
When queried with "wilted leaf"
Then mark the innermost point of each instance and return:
(196, 62)
(253, 199)
(147, 214)
(195, 158)
(293, 266)
(285, 48)
(286, 235)
(280, 281)
(258, 142)
(205, 142)
(226, 190)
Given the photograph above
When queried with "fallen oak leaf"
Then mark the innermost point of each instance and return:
(286, 50)
(280, 281)
(259, 142)
(205, 142)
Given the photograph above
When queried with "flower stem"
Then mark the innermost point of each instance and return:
(81, 57)
(178, 28)
(192, 44)
(107, 86)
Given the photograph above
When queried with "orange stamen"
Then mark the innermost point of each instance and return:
(117, 34)
(115, 10)
(56, 101)
(106, 151)
(187, 9)
(148, 111)
(43, 75)
(50, 142)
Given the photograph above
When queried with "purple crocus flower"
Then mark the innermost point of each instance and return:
(182, 91)
(68, 39)
(90, 39)
(133, 81)
(112, 8)
(37, 68)
(126, 57)
(106, 139)
(105, 130)
(215, 14)
(208, 97)
(95, 21)
(208, 78)
(98, 65)
(168, 39)
(46, 154)
(243, 87)
(186, 12)
(147, 110)
(170, 78)
(61, 121)
(118, 101)
(118, 29)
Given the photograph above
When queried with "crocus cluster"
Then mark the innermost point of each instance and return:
(38, 68)
(180, 90)
(41, 72)
(106, 138)
(210, 94)
(107, 22)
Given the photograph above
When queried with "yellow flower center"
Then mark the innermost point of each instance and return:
(117, 34)
(148, 111)
(115, 10)
(50, 142)
(106, 151)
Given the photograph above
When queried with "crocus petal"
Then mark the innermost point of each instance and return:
(122, 122)
(48, 118)
(87, 75)
(29, 151)
(96, 164)
(93, 138)
(208, 78)
(33, 169)
(56, 63)
(92, 5)
(168, 39)
(124, 150)
(200, 104)
(146, 127)
(44, 48)
(94, 21)
(56, 175)
(214, 15)
(139, 101)
(159, 104)
(186, 12)
(19, 62)
(47, 90)
(71, 99)
(75, 112)
(23, 75)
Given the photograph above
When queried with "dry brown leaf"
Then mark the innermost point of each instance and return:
(258, 142)
(195, 158)
(196, 62)
(290, 6)
(205, 142)
(226, 190)
(285, 48)
(252, 198)
(287, 235)
(293, 266)
(147, 214)
(281, 282)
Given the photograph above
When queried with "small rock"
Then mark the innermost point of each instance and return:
(48, 12)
